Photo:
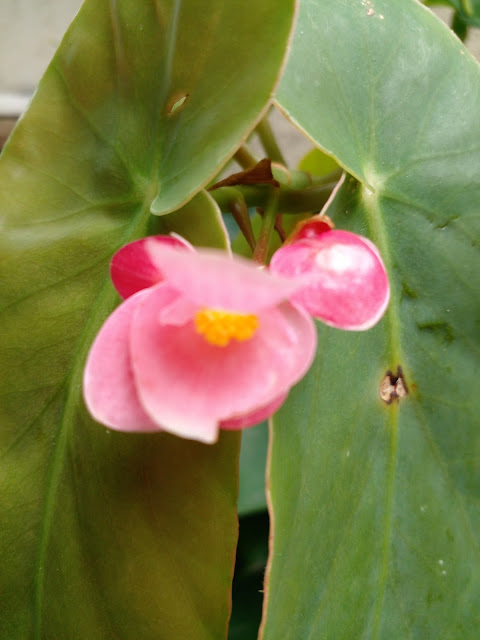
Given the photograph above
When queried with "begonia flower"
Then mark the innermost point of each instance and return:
(202, 342)
(347, 282)
(310, 228)
(127, 279)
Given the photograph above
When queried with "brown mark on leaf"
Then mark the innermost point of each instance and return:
(177, 102)
(393, 386)
(261, 173)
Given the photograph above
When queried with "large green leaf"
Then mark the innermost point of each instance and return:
(375, 506)
(103, 534)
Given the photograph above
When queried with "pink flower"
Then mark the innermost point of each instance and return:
(132, 268)
(347, 282)
(203, 341)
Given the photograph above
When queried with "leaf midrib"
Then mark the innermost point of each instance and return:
(73, 383)
(379, 237)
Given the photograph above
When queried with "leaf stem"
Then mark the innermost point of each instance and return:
(245, 157)
(290, 200)
(467, 7)
(270, 215)
(239, 211)
(333, 176)
(459, 26)
(269, 142)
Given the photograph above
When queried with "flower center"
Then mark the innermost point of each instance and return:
(219, 327)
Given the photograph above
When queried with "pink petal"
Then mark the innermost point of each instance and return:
(132, 269)
(108, 384)
(256, 416)
(210, 278)
(311, 228)
(348, 282)
(189, 386)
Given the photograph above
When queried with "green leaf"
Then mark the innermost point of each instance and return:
(104, 534)
(200, 220)
(375, 506)
(253, 456)
(317, 163)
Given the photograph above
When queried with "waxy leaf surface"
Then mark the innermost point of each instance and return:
(104, 534)
(376, 514)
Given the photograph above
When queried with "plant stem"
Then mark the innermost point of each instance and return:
(467, 7)
(329, 177)
(239, 211)
(245, 157)
(290, 200)
(459, 26)
(269, 143)
(270, 214)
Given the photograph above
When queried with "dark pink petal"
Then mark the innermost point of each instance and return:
(132, 269)
(256, 416)
(348, 286)
(189, 385)
(311, 228)
(108, 385)
(211, 279)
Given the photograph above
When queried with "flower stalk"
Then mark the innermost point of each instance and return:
(269, 142)
(289, 200)
(239, 211)
(245, 157)
(269, 216)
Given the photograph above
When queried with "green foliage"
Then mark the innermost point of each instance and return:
(374, 506)
(467, 10)
(317, 163)
(104, 534)
(251, 493)
(247, 592)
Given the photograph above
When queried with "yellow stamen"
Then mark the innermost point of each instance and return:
(219, 327)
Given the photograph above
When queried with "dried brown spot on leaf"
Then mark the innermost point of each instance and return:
(177, 102)
(393, 386)
(261, 173)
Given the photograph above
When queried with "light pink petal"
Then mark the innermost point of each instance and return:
(256, 416)
(108, 385)
(189, 386)
(348, 286)
(132, 269)
(212, 279)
